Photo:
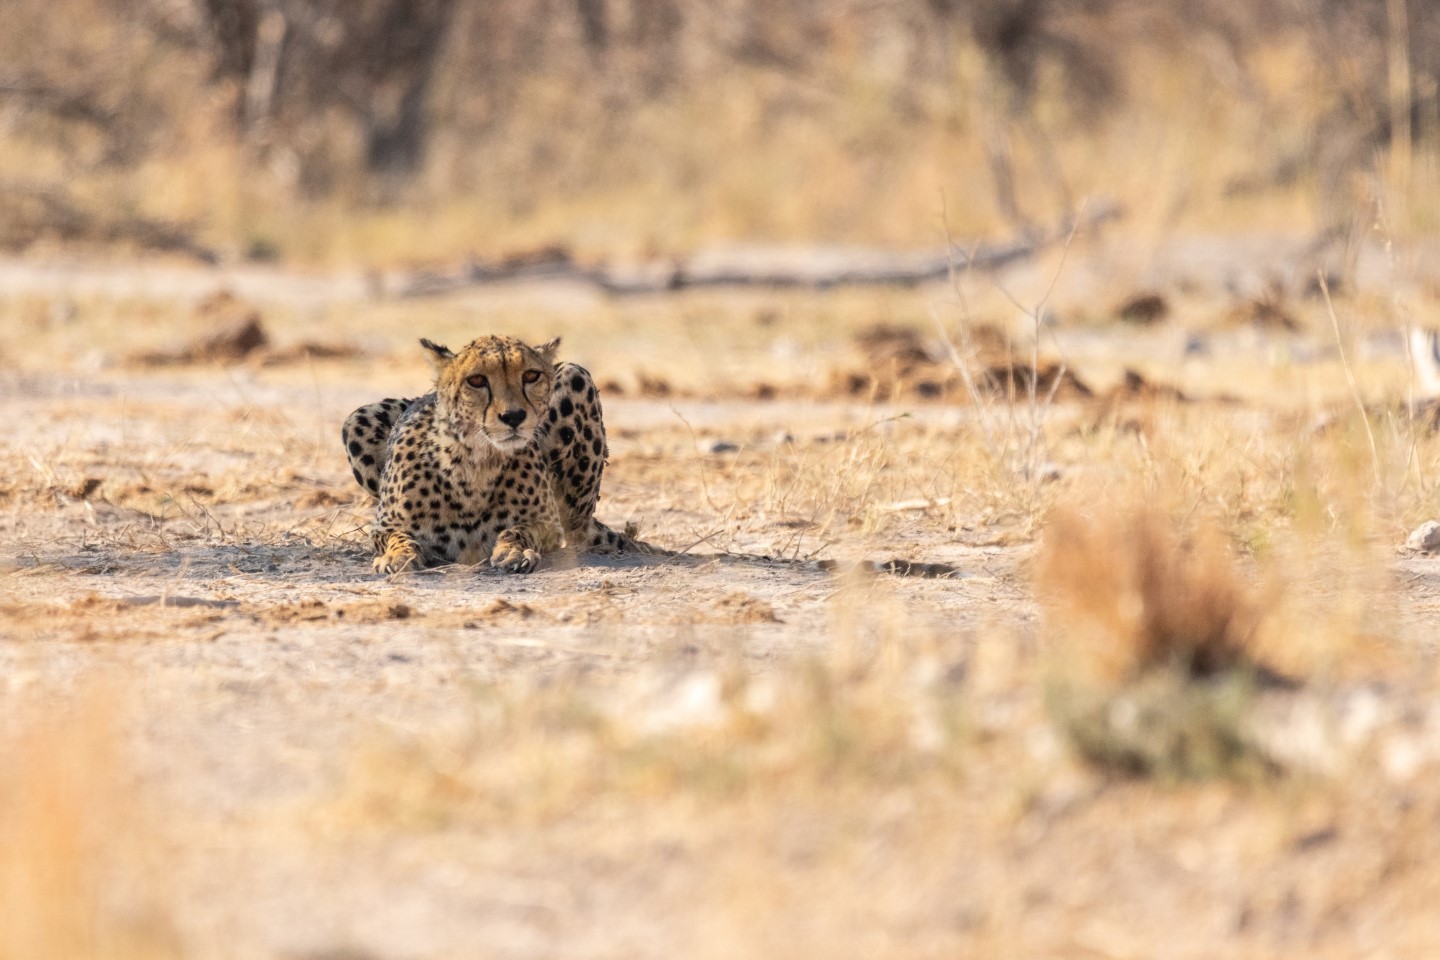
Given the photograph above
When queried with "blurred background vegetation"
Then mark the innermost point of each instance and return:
(403, 131)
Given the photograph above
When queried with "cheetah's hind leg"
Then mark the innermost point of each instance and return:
(366, 435)
(572, 444)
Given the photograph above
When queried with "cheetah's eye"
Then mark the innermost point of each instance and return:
(531, 376)
(478, 381)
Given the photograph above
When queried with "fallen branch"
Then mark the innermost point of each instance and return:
(814, 269)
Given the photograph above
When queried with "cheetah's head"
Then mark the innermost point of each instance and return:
(497, 388)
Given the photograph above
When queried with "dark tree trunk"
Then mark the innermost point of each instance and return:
(594, 25)
(396, 139)
(396, 117)
(232, 25)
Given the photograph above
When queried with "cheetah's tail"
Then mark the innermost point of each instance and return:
(895, 567)
(602, 539)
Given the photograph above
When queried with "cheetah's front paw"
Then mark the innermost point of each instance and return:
(399, 556)
(512, 555)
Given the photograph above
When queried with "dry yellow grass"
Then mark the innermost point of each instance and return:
(870, 132)
(1124, 594)
(81, 860)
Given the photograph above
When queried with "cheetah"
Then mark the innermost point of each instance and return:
(502, 462)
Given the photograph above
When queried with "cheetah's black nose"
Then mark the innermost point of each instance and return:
(512, 418)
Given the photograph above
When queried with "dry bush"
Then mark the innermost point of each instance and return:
(1126, 593)
(1154, 638)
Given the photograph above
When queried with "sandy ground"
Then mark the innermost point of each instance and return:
(321, 763)
(256, 653)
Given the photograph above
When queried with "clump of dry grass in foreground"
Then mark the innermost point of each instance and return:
(79, 870)
(1156, 644)
(1126, 594)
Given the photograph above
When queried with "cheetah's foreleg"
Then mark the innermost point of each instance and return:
(400, 553)
(518, 549)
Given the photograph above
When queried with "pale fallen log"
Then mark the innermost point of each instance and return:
(815, 268)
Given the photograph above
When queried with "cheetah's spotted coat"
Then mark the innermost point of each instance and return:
(501, 462)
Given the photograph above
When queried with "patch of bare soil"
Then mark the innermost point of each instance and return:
(1143, 308)
(234, 333)
(1269, 310)
(898, 362)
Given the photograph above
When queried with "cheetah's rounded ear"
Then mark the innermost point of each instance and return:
(548, 349)
(439, 356)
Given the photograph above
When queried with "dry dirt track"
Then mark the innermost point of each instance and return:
(266, 751)
(215, 585)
